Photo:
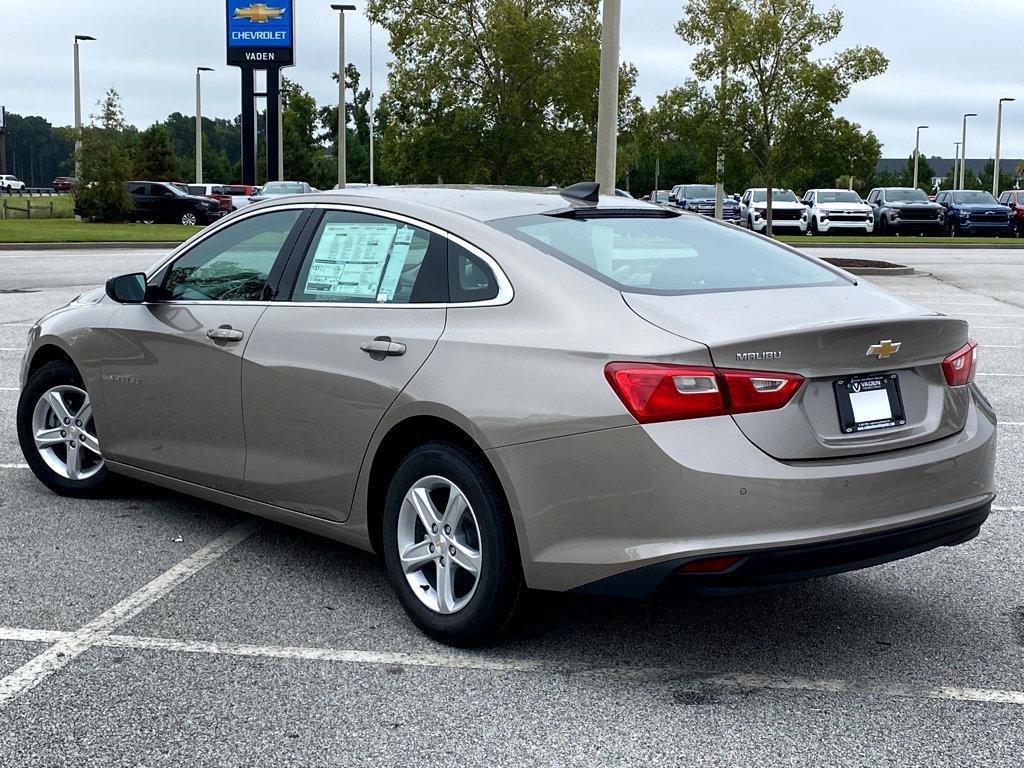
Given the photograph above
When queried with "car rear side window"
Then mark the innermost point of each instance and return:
(368, 259)
(234, 263)
(469, 277)
(668, 254)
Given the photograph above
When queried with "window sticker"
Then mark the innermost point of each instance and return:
(396, 263)
(350, 259)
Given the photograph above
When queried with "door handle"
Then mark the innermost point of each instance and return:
(225, 334)
(382, 346)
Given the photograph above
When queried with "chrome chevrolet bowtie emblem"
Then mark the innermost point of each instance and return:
(259, 13)
(884, 349)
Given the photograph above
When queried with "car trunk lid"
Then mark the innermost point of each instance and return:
(824, 334)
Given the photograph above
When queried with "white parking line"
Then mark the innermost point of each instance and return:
(982, 373)
(14, 466)
(740, 682)
(9, 389)
(1008, 508)
(77, 643)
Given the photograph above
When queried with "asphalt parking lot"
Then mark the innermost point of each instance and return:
(155, 629)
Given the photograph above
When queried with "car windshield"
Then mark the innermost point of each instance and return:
(668, 255)
(838, 196)
(778, 196)
(974, 196)
(699, 191)
(282, 188)
(662, 197)
(905, 196)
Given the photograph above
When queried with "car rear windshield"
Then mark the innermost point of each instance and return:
(282, 188)
(668, 254)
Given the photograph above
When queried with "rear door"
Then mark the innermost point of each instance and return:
(172, 368)
(329, 358)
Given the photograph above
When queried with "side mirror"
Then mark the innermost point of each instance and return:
(128, 289)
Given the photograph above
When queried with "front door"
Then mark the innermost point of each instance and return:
(172, 367)
(323, 367)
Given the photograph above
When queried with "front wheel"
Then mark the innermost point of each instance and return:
(57, 431)
(450, 547)
(189, 218)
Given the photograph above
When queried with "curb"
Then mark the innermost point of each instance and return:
(99, 245)
(909, 244)
(878, 270)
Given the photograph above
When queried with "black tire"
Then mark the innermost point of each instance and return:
(53, 374)
(883, 225)
(189, 218)
(496, 597)
(813, 229)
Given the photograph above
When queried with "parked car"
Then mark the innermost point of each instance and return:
(975, 212)
(1014, 200)
(63, 183)
(214, 192)
(830, 210)
(896, 210)
(9, 183)
(163, 202)
(788, 213)
(700, 198)
(658, 196)
(240, 194)
(276, 189)
(622, 193)
(522, 389)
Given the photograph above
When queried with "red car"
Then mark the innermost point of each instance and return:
(63, 184)
(214, 192)
(1015, 200)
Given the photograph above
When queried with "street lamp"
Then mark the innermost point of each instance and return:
(963, 148)
(78, 108)
(608, 96)
(199, 125)
(917, 151)
(999, 126)
(956, 163)
(341, 89)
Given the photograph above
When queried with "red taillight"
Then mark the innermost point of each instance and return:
(657, 392)
(959, 367)
(710, 565)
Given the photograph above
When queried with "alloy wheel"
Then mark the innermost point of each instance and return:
(439, 544)
(64, 432)
(189, 219)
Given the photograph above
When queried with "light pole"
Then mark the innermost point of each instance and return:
(78, 108)
(371, 104)
(199, 125)
(341, 90)
(956, 163)
(608, 96)
(917, 151)
(963, 148)
(999, 126)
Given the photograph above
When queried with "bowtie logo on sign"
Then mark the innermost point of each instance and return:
(260, 13)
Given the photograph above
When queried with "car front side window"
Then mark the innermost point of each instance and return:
(234, 263)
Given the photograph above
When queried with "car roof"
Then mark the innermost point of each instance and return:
(479, 202)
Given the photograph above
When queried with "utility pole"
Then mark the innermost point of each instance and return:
(999, 126)
(341, 90)
(917, 151)
(720, 160)
(608, 97)
(78, 107)
(199, 124)
(963, 149)
(371, 104)
(956, 164)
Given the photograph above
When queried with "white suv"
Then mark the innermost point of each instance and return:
(837, 209)
(788, 213)
(8, 183)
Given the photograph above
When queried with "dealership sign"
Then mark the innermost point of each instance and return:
(260, 33)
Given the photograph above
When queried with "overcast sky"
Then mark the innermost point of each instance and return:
(947, 57)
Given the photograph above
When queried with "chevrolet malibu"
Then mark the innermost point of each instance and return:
(499, 390)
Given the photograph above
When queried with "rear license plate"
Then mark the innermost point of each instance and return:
(869, 402)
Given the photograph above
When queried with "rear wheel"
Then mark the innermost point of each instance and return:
(450, 547)
(189, 218)
(57, 431)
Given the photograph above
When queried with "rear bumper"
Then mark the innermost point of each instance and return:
(778, 567)
(593, 506)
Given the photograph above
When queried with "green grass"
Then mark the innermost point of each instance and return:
(62, 206)
(71, 231)
(906, 240)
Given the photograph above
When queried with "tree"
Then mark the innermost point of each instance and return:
(357, 132)
(37, 151)
(776, 94)
(305, 158)
(154, 156)
(1006, 181)
(101, 192)
(498, 91)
